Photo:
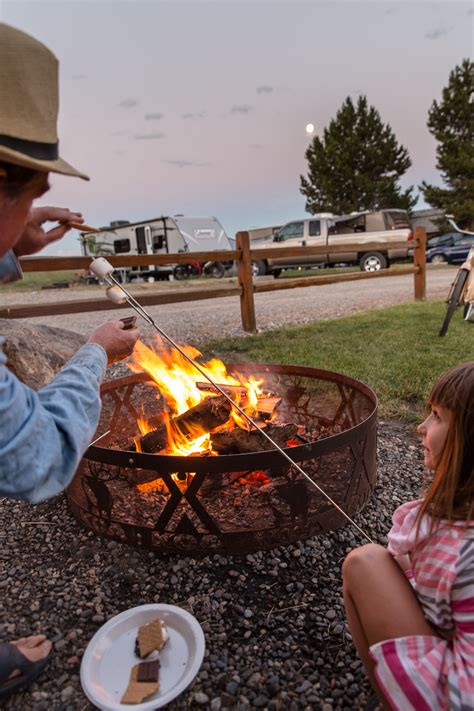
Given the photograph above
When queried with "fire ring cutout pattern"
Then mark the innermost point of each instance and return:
(199, 505)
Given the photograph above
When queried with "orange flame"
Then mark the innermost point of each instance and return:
(176, 379)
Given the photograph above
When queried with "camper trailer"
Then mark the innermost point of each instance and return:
(160, 235)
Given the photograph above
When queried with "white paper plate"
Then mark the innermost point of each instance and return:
(109, 657)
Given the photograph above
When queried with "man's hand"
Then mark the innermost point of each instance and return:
(34, 238)
(115, 340)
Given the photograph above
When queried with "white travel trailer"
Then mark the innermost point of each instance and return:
(160, 235)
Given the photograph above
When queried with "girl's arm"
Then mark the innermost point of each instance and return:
(403, 561)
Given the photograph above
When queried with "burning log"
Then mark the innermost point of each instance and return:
(266, 406)
(239, 441)
(204, 417)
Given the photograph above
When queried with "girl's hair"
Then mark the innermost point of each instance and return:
(451, 493)
(18, 179)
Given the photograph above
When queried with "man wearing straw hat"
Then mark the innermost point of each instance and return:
(43, 434)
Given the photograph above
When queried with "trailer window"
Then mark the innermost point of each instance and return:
(121, 246)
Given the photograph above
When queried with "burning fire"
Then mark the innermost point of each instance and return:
(177, 381)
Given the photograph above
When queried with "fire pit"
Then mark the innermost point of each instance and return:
(234, 503)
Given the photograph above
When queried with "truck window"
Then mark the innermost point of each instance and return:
(314, 228)
(121, 246)
(396, 219)
(374, 222)
(291, 230)
(347, 227)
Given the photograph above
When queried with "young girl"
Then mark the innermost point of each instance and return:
(410, 608)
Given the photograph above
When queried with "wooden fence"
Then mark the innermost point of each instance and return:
(245, 289)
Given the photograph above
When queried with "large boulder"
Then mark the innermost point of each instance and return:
(36, 353)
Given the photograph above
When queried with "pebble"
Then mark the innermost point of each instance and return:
(273, 620)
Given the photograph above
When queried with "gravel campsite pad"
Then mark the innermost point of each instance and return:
(274, 621)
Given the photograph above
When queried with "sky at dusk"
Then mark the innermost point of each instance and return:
(200, 107)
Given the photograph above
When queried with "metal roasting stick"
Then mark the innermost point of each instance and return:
(146, 316)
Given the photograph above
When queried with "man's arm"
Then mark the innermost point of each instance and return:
(44, 434)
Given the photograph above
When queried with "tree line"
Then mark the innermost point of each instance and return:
(357, 162)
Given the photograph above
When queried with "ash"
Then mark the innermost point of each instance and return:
(274, 621)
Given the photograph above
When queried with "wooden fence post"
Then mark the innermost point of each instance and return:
(419, 260)
(244, 274)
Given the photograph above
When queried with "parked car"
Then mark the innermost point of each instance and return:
(326, 230)
(450, 248)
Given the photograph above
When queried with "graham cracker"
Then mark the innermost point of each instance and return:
(138, 691)
(150, 637)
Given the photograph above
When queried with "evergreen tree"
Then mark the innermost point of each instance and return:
(452, 124)
(356, 165)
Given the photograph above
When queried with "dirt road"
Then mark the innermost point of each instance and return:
(200, 320)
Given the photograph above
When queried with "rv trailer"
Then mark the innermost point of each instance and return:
(160, 235)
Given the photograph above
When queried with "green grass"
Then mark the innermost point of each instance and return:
(396, 351)
(33, 281)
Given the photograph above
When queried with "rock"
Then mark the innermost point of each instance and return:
(201, 698)
(67, 693)
(36, 353)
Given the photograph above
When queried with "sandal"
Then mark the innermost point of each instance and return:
(12, 659)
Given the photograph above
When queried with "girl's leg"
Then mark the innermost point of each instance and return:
(380, 603)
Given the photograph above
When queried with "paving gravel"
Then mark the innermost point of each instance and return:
(197, 321)
(274, 622)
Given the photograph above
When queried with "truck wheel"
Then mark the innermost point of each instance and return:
(372, 262)
(259, 268)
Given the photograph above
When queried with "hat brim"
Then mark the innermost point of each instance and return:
(47, 166)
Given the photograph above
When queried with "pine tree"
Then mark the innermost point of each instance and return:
(452, 124)
(356, 165)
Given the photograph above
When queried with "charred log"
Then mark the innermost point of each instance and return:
(204, 417)
(239, 441)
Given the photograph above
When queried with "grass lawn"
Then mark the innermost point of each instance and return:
(33, 281)
(396, 351)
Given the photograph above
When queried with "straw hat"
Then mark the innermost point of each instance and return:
(29, 104)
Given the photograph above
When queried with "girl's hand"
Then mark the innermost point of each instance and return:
(34, 238)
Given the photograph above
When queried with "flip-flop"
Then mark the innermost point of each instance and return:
(12, 659)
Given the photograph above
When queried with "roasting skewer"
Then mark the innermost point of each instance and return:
(117, 293)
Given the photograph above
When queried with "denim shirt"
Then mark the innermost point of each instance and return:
(44, 434)
(10, 269)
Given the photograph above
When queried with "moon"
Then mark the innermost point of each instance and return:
(309, 128)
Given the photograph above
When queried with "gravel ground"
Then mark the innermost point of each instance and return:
(195, 322)
(274, 621)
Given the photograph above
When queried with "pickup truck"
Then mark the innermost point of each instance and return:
(387, 226)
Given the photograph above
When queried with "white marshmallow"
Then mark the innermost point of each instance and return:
(101, 267)
(115, 294)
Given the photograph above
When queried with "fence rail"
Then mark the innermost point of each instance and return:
(245, 289)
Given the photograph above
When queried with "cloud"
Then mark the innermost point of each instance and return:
(128, 103)
(439, 32)
(186, 163)
(201, 114)
(255, 145)
(241, 109)
(155, 135)
(153, 117)
(78, 76)
(264, 89)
